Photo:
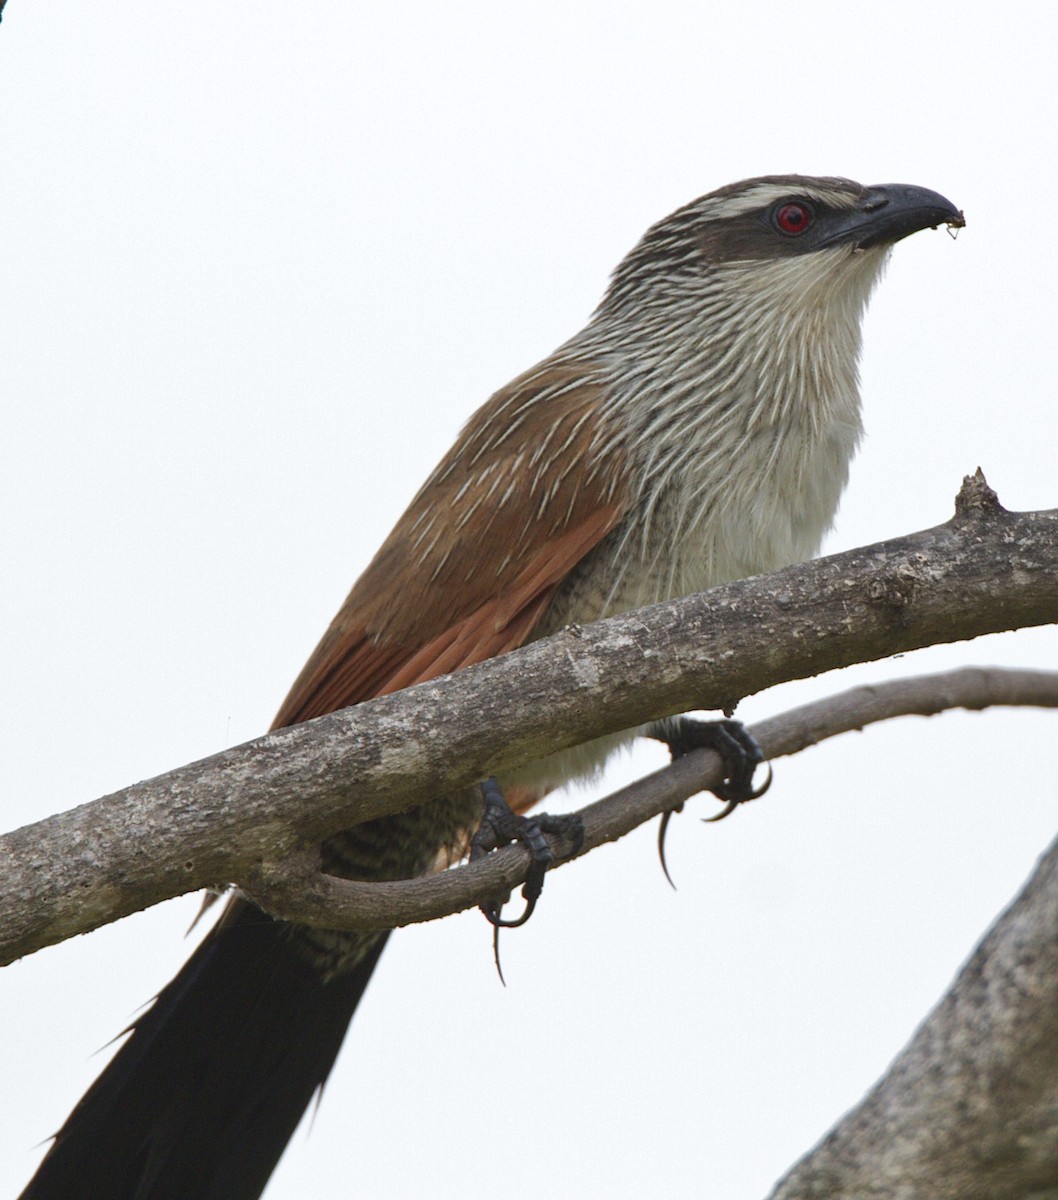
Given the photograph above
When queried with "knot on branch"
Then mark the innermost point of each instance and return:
(895, 584)
(976, 498)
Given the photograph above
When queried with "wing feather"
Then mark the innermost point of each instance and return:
(471, 567)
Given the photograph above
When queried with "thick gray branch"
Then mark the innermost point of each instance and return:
(969, 1110)
(216, 820)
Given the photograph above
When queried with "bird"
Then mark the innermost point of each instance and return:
(697, 430)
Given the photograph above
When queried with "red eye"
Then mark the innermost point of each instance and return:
(793, 218)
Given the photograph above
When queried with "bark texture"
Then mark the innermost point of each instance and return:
(218, 820)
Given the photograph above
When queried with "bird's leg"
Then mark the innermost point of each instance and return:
(500, 826)
(738, 750)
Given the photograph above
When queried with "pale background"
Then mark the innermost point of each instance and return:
(259, 262)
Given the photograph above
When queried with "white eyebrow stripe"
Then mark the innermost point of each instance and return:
(767, 193)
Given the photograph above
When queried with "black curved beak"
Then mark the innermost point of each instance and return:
(887, 212)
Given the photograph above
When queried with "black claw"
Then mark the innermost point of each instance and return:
(726, 811)
(756, 795)
(666, 817)
(734, 743)
(499, 827)
(737, 748)
(531, 889)
(496, 953)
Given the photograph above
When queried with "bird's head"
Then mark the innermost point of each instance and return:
(784, 238)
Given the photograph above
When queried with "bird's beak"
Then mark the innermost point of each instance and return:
(887, 212)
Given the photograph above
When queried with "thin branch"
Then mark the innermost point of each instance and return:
(297, 890)
(216, 820)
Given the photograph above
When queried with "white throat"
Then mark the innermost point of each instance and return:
(741, 419)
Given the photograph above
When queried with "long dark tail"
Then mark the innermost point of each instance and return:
(202, 1099)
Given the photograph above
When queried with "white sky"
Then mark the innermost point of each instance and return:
(259, 263)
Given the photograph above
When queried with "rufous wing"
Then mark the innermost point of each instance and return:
(468, 571)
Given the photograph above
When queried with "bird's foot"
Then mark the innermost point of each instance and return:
(500, 826)
(738, 750)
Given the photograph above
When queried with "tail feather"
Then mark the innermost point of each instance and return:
(202, 1099)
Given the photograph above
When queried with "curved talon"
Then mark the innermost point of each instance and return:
(494, 918)
(740, 754)
(730, 791)
(726, 811)
(666, 817)
(737, 747)
(493, 914)
(499, 826)
(496, 953)
(733, 800)
(756, 795)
